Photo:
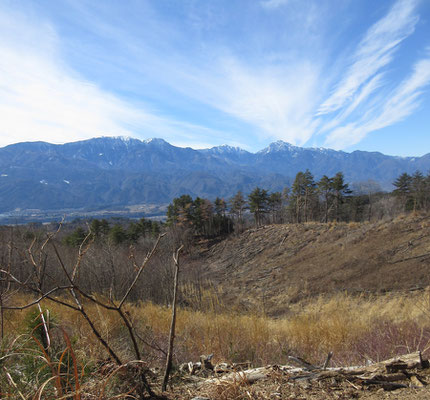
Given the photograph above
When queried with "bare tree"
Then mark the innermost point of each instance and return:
(75, 297)
(173, 322)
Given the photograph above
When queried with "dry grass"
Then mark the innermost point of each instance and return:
(355, 328)
(263, 268)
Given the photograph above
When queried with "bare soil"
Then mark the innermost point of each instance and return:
(272, 267)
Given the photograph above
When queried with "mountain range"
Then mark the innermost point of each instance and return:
(109, 172)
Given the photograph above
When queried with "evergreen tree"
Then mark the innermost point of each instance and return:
(180, 210)
(403, 186)
(198, 217)
(207, 212)
(76, 238)
(220, 206)
(134, 232)
(296, 201)
(325, 190)
(340, 191)
(285, 202)
(237, 208)
(274, 203)
(257, 201)
(99, 228)
(117, 234)
(303, 195)
(418, 189)
(427, 192)
(155, 228)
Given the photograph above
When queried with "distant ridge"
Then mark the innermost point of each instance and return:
(120, 171)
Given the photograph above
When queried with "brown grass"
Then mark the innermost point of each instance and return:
(275, 266)
(355, 328)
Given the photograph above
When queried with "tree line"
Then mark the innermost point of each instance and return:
(325, 200)
(413, 191)
(307, 200)
(117, 233)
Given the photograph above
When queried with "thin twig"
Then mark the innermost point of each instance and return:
(145, 261)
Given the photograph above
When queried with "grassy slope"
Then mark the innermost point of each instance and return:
(277, 265)
(260, 268)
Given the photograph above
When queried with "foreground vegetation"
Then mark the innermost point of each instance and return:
(86, 308)
(356, 329)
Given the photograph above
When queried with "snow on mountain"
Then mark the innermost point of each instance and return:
(108, 171)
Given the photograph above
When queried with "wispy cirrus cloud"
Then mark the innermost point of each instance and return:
(42, 98)
(199, 77)
(274, 100)
(279, 102)
(362, 101)
(375, 51)
(402, 101)
(284, 99)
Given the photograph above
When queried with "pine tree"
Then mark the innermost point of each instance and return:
(220, 206)
(403, 187)
(237, 207)
(325, 190)
(117, 234)
(275, 204)
(418, 188)
(340, 191)
(180, 210)
(257, 201)
(303, 195)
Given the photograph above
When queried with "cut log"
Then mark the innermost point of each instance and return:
(400, 376)
(388, 386)
(396, 366)
(417, 381)
(302, 363)
(407, 361)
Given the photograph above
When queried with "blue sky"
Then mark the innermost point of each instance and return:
(343, 74)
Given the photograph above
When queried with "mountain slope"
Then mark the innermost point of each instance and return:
(280, 264)
(109, 171)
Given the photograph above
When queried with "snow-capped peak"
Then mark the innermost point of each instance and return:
(279, 145)
(155, 141)
(225, 148)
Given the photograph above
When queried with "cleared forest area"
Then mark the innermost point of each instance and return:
(256, 298)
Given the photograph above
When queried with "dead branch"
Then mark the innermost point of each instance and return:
(141, 268)
(302, 363)
(173, 322)
(327, 360)
(38, 262)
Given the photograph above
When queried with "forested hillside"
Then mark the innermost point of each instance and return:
(107, 173)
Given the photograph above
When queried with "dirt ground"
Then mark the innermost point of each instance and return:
(402, 377)
(279, 387)
(275, 265)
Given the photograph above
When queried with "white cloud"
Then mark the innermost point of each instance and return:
(281, 95)
(402, 101)
(366, 90)
(41, 98)
(375, 51)
(405, 99)
(279, 102)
